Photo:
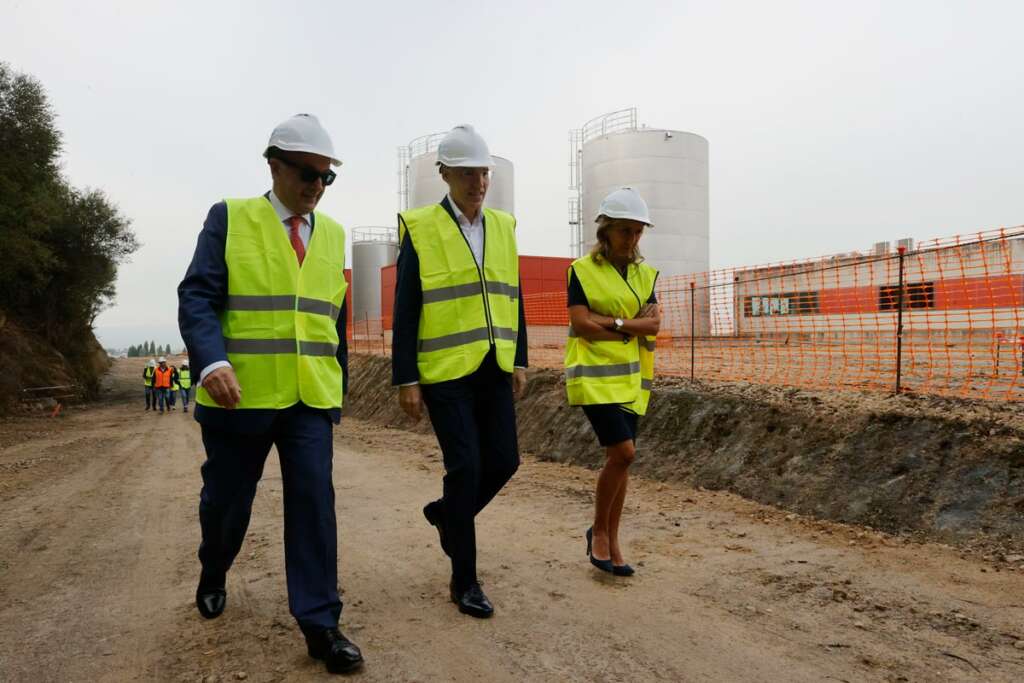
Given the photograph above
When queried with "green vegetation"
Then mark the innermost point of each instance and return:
(62, 244)
(147, 349)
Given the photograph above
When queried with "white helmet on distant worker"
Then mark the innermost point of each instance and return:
(303, 133)
(463, 147)
(184, 363)
(163, 359)
(625, 202)
(151, 363)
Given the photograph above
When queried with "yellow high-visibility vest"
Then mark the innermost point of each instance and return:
(148, 376)
(466, 308)
(611, 371)
(279, 320)
(185, 378)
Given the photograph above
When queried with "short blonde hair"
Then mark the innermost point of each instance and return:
(599, 252)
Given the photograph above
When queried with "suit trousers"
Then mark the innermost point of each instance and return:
(233, 467)
(475, 422)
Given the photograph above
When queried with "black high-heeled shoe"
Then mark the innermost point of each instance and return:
(603, 565)
(622, 570)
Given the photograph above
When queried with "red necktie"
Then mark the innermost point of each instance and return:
(300, 251)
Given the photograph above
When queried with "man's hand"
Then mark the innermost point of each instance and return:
(222, 385)
(518, 383)
(411, 401)
(648, 311)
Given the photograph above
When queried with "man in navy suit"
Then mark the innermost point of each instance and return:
(261, 310)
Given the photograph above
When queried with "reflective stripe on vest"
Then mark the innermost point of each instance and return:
(466, 308)
(611, 371)
(185, 378)
(279, 320)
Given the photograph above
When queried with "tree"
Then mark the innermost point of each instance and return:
(88, 239)
(62, 245)
(29, 181)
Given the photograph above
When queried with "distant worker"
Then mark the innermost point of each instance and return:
(460, 347)
(185, 382)
(163, 384)
(262, 312)
(609, 357)
(173, 393)
(148, 380)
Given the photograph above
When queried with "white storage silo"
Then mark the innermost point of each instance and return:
(372, 249)
(421, 183)
(669, 169)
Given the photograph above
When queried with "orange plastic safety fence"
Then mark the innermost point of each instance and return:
(955, 326)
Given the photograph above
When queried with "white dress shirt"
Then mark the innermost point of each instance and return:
(305, 232)
(284, 213)
(474, 231)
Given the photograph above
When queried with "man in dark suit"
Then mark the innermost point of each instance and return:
(261, 310)
(460, 347)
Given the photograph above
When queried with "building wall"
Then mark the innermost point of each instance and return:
(964, 287)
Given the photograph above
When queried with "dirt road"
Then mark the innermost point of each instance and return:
(97, 571)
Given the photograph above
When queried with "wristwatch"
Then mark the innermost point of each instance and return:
(619, 322)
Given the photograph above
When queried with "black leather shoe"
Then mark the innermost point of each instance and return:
(433, 515)
(472, 601)
(211, 596)
(338, 652)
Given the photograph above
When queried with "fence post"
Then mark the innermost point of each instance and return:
(366, 331)
(693, 325)
(999, 342)
(383, 350)
(899, 323)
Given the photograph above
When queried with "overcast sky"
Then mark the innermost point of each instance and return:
(831, 125)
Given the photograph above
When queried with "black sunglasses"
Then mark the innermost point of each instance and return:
(309, 175)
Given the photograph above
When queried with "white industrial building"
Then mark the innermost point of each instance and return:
(372, 249)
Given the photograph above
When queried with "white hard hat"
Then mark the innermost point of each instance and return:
(303, 133)
(162, 359)
(625, 202)
(151, 363)
(463, 147)
(184, 363)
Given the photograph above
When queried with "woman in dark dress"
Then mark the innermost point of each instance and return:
(610, 357)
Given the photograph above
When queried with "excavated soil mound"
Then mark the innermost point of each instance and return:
(944, 468)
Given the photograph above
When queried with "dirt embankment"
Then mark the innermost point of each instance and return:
(946, 469)
(27, 360)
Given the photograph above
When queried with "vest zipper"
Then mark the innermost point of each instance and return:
(480, 272)
(625, 278)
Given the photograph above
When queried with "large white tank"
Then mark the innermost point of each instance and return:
(669, 169)
(372, 249)
(424, 184)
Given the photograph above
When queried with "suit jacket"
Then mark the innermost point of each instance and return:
(405, 322)
(201, 297)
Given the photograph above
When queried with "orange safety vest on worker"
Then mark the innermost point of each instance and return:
(163, 378)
